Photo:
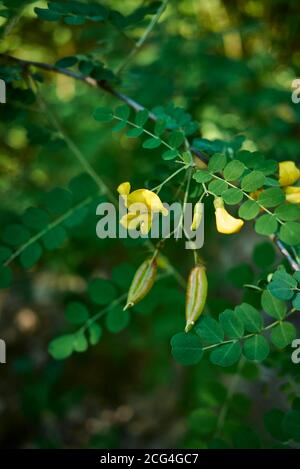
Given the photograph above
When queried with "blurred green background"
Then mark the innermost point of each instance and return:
(230, 65)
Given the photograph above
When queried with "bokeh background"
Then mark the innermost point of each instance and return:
(230, 65)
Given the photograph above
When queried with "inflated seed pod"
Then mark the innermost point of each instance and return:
(196, 294)
(142, 282)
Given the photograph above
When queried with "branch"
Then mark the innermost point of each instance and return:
(285, 253)
(102, 84)
(105, 86)
(144, 37)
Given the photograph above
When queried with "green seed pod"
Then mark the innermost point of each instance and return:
(142, 282)
(196, 294)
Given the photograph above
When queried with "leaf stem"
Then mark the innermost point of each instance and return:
(138, 45)
(49, 227)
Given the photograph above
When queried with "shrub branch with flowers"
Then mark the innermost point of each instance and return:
(244, 190)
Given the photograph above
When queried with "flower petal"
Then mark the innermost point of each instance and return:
(130, 221)
(198, 214)
(288, 173)
(226, 223)
(292, 195)
(154, 203)
(124, 188)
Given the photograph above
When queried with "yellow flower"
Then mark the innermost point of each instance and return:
(292, 195)
(226, 223)
(288, 173)
(197, 217)
(141, 205)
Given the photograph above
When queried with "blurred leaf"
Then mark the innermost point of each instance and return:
(101, 291)
(117, 319)
(80, 342)
(5, 253)
(102, 114)
(186, 348)
(58, 201)
(61, 347)
(203, 421)
(273, 422)
(245, 438)
(54, 238)
(77, 313)
(15, 235)
(5, 277)
(264, 255)
(35, 218)
(291, 424)
(151, 143)
(95, 333)
(240, 275)
(31, 255)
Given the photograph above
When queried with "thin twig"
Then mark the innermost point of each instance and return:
(104, 189)
(231, 390)
(285, 253)
(105, 86)
(102, 84)
(138, 45)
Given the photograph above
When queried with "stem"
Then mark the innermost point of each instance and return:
(146, 132)
(100, 183)
(158, 188)
(248, 197)
(285, 253)
(52, 225)
(73, 147)
(102, 84)
(101, 313)
(11, 23)
(231, 389)
(270, 326)
(134, 51)
(105, 86)
(248, 336)
(295, 266)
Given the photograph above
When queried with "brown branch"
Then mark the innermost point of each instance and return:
(105, 86)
